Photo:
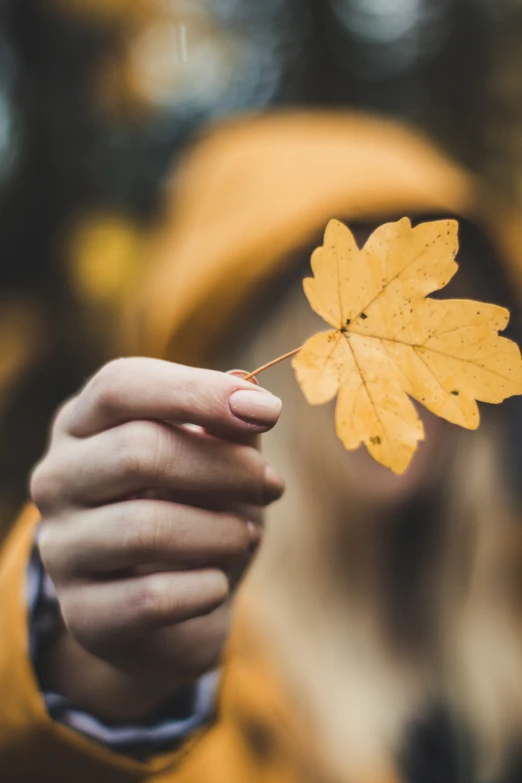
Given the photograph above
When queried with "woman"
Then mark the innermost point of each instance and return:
(376, 601)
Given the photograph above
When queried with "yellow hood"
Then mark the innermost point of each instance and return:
(255, 189)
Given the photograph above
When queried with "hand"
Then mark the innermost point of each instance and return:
(147, 525)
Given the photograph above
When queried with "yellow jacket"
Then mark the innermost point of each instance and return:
(255, 738)
(270, 184)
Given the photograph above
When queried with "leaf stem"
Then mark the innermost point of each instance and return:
(272, 363)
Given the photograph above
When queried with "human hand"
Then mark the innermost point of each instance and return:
(147, 525)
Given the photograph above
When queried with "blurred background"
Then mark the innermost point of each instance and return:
(99, 100)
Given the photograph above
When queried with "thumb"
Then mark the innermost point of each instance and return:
(254, 439)
(248, 439)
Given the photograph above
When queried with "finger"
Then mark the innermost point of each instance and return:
(144, 455)
(140, 388)
(192, 647)
(242, 510)
(100, 614)
(189, 648)
(129, 534)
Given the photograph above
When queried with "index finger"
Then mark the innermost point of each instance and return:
(142, 388)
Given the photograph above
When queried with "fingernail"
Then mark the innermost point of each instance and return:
(274, 486)
(255, 407)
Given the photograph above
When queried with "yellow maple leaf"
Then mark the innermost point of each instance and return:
(390, 343)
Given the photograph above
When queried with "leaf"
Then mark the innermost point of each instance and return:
(389, 343)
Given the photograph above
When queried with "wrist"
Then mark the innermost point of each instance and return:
(99, 687)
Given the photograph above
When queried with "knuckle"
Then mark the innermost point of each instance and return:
(132, 462)
(140, 449)
(105, 389)
(44, 488)
(164, 598)
(152, 601)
